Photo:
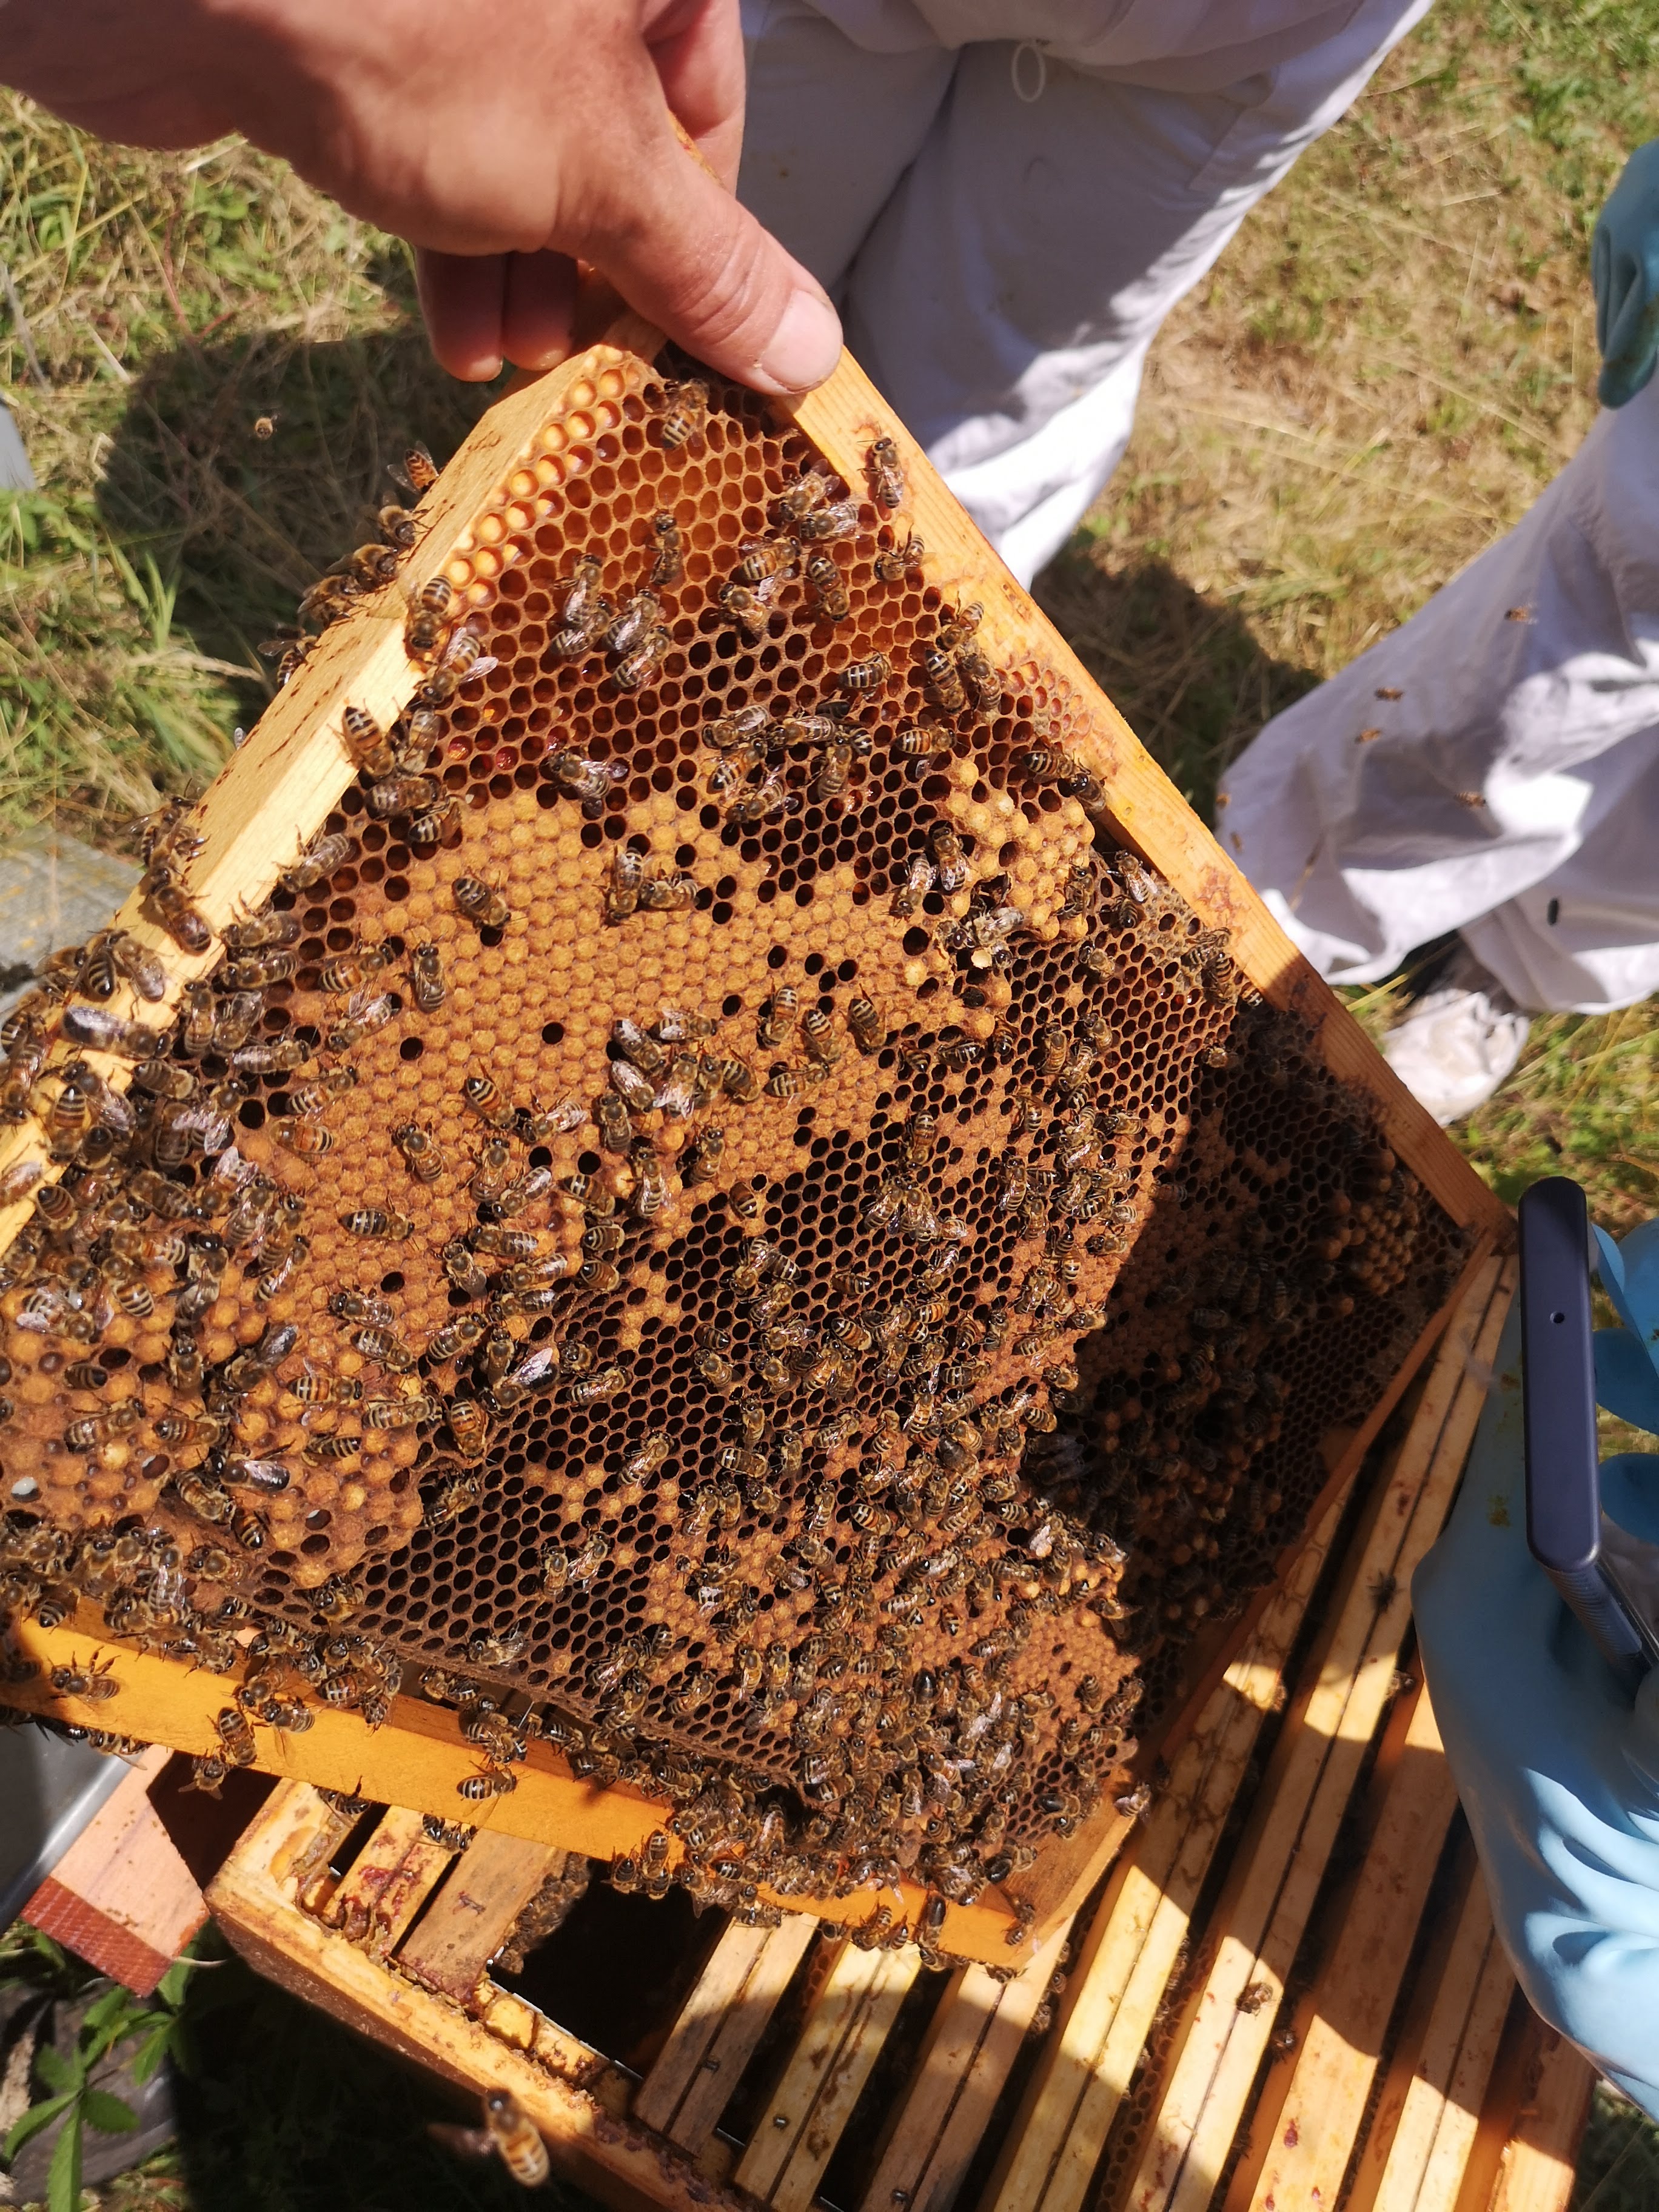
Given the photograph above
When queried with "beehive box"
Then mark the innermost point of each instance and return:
(693, 1150)
(1331, 2022)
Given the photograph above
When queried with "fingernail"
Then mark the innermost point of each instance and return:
(804, 347)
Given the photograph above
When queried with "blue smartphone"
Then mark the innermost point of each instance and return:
(1609, 1578)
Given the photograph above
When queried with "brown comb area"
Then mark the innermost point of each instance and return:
(938, 1321)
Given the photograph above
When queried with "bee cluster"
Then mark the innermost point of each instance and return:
(717, 1209)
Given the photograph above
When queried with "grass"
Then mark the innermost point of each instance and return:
(212, 368)
(1619, 2165)
(280, 2110)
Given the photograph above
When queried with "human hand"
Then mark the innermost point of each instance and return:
(505, 139)
(1625, 271)
(1558, 1771)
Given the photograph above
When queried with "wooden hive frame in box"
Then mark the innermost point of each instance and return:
(709, 1422)
(1331, 2024)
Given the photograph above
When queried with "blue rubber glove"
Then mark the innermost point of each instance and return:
(1625, 271)
(1557, 1770)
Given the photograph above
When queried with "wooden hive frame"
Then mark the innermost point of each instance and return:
(276, 793)
(1409, 2074)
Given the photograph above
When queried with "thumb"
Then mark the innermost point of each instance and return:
(688, 258)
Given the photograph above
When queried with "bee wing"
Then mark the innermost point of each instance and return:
(465, 2143)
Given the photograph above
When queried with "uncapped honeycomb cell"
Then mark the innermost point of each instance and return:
(720, 1206)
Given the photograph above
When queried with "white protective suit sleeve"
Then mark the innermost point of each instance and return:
(1006, 231)
(1492, 767)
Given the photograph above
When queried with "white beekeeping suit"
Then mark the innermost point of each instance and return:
(1493, 768)
(1007, 197)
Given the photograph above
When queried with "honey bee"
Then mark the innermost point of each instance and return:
(139, 965)
(463, 659)
(428, 627)
(983, 682)
(894, 562)
(457, 1496)
(92, 1682)
(838, 519)
(468, 1426)
(701, 1162)
(918, 877)
(378, 1223)
(378, 1343)
(830, 599)
(524, 1191)
(948, 858)
(307, 1140)
(19, 1180)
(236, 1745)
(829, 781)
(642, 663)
(764, 559)
(621, 895)
(370, 749)
(715, 1368)
(576, 640)
(493, 1781)
(419, 472)
(669, 567)
(462, 1269)
(867, 675)
(428, 828)
(174, 908)
(685, 415)
(398, 527)
(776, 1017)
(484, 908)
(747, 609)
(455, 1337)
(594, 1389)
(759, 802)
(399, 1412)
(402, 795)
(99, 1030)
(421, 1155)
(611, 1117)
(370, 565)
(959, 625)
(314, 866)
(497, 1647)
(328, 600)
(818, 1035)
(631, 624)
(941, 681)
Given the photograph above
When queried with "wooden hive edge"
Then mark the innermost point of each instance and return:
(622, 2162)
(415, 1762)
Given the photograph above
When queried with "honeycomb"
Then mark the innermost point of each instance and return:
(720, 1211)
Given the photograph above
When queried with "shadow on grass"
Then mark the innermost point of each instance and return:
(1185, 671)
(245, 470)
(288, 2112)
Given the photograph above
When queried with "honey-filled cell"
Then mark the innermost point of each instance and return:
(720, 1207)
